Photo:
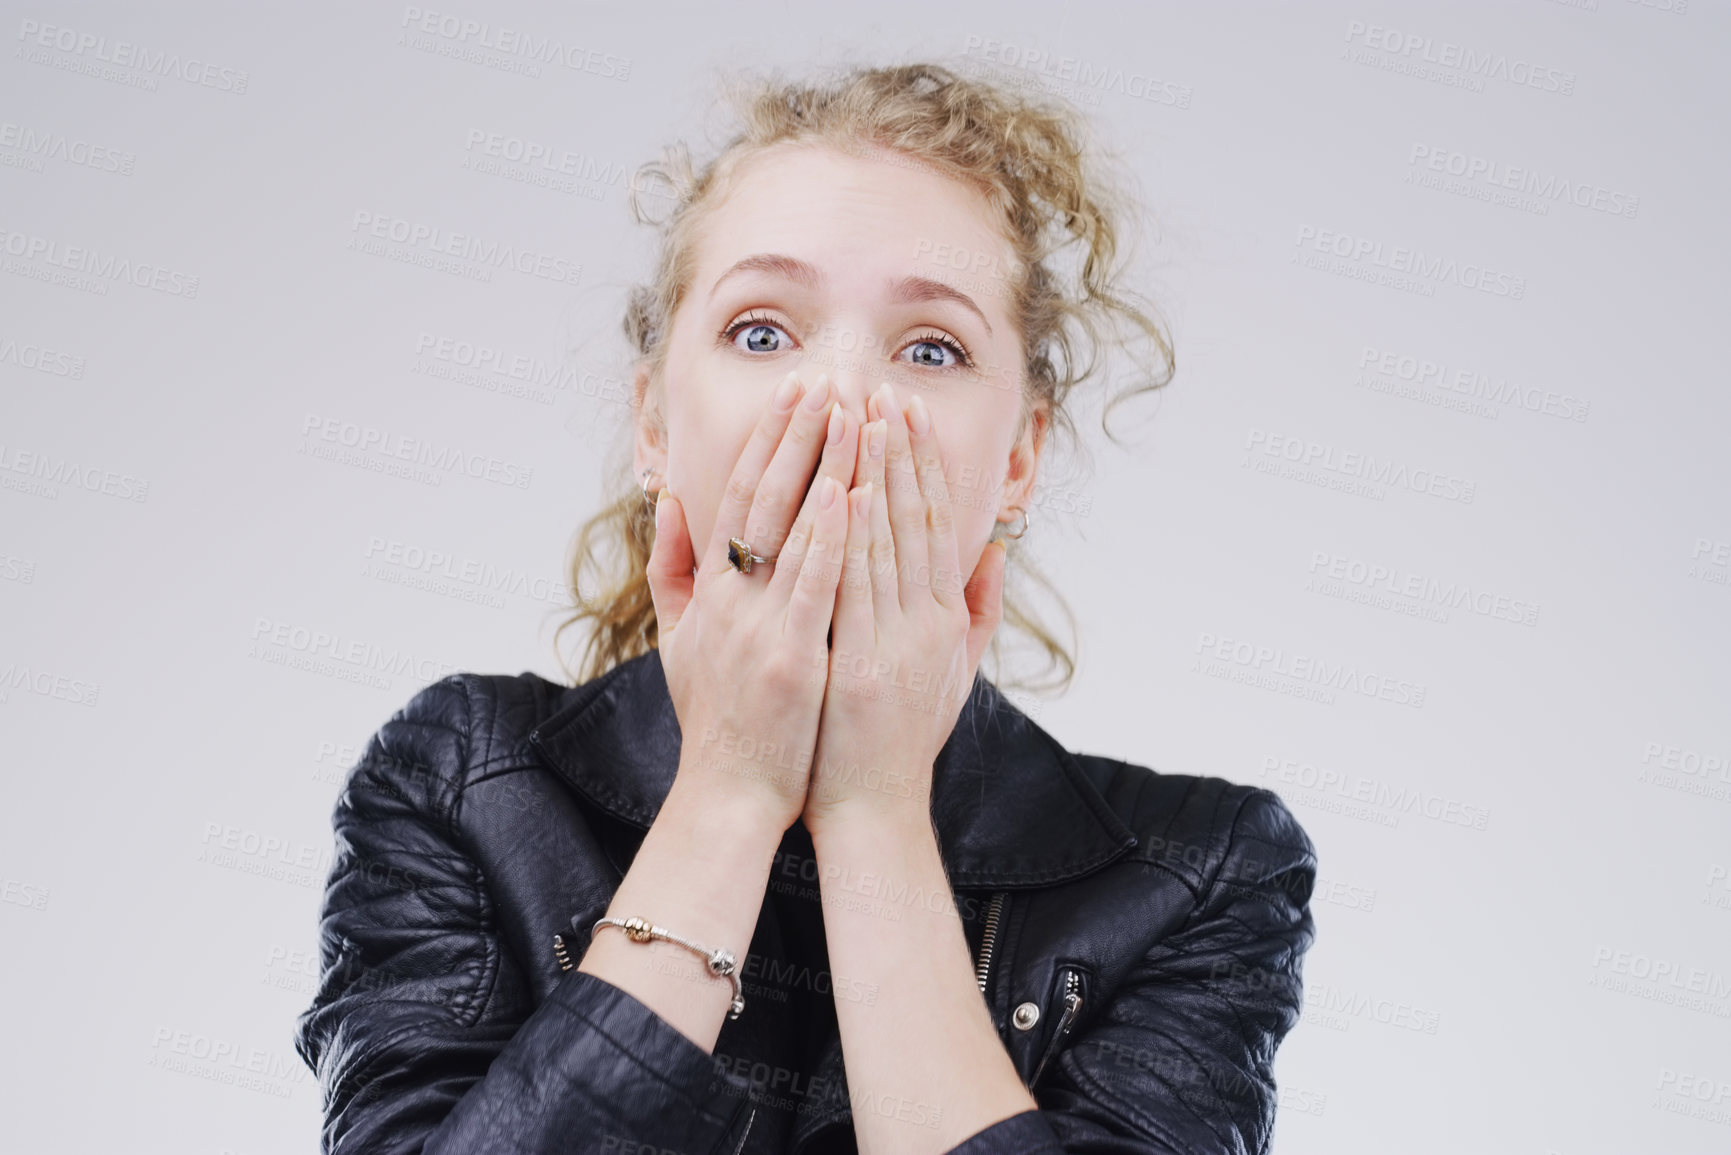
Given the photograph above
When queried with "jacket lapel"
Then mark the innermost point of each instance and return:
(1012, 808)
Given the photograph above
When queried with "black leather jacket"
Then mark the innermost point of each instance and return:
(1155, 923)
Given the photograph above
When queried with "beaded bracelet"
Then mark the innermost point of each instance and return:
(720, 962)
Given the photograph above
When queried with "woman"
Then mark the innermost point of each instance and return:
(887, 908)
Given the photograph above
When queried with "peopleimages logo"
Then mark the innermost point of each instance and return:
(42, 144)
(417, 235)
(1402, 267)
(1471, 383)
(317, 650)
(1360, 469)
(375, 448)
(1375, 578)
(124, 54)
(535, 154)
(52, 471)
(54, 362)
(1661, 980)
(514, 44)
(48, 684)
(88, 268)
(1087, 77)
(1338, 1003)
(1395, 800)
(451, 574)
(1546, 188)
(1411, 47)
(1287, 671)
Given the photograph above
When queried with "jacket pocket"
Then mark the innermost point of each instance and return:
(1069, 996)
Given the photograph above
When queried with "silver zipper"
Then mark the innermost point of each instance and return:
(983, 965)
(742, 1135)
(1072, 1007)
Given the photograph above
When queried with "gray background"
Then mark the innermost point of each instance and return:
(1524, 913)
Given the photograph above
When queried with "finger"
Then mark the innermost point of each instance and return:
(782, 488)
(882, 562)
(812, 604)
(839, 451)
(741, 488)
(792, 555)
(985, 597)
(669, 565)
(855, 626)
(902, 486)
(946, 581)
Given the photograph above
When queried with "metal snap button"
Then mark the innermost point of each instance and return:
(1026, 1016)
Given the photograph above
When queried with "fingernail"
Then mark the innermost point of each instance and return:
(818, 395)
(918, 419)
(836, 422)
(886, 398)
(875, 443)
(786, 392)
(660, 506)
(831, 487)
(862, 501)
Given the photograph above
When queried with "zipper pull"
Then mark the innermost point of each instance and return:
(560, 953)
(1072, 998)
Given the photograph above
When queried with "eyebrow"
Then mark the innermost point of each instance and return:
(907, 291)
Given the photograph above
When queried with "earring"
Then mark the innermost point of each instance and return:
(648, 498)
(999, 532)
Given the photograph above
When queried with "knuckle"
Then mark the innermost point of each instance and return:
(779, 671)
(741, 490)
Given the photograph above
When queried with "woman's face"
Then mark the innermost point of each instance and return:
(866, 268)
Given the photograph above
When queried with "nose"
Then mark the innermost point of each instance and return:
(853, 385)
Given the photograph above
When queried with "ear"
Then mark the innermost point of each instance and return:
(1025, 460)
(649, 446)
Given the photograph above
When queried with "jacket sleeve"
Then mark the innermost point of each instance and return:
(1181, 1062)
(421, 1033)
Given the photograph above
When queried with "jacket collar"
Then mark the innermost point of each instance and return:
(1011, 806)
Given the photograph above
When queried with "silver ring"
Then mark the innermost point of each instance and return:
(643, 483)
(740, 557)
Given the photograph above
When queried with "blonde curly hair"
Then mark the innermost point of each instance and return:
(1035, 164)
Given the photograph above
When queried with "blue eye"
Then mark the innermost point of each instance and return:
(762, 338)
(929, 347)
(931, 353)
(762, 335)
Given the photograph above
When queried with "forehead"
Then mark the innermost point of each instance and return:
(863, 215)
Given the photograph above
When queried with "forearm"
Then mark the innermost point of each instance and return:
(925, 1066)
(701, 873)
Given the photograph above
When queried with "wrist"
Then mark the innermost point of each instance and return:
(707, 812)
(886, 793)
(861, 822)
(702, 868)
(758, 783)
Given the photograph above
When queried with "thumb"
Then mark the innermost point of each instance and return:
(984, 594)
(670, 564)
